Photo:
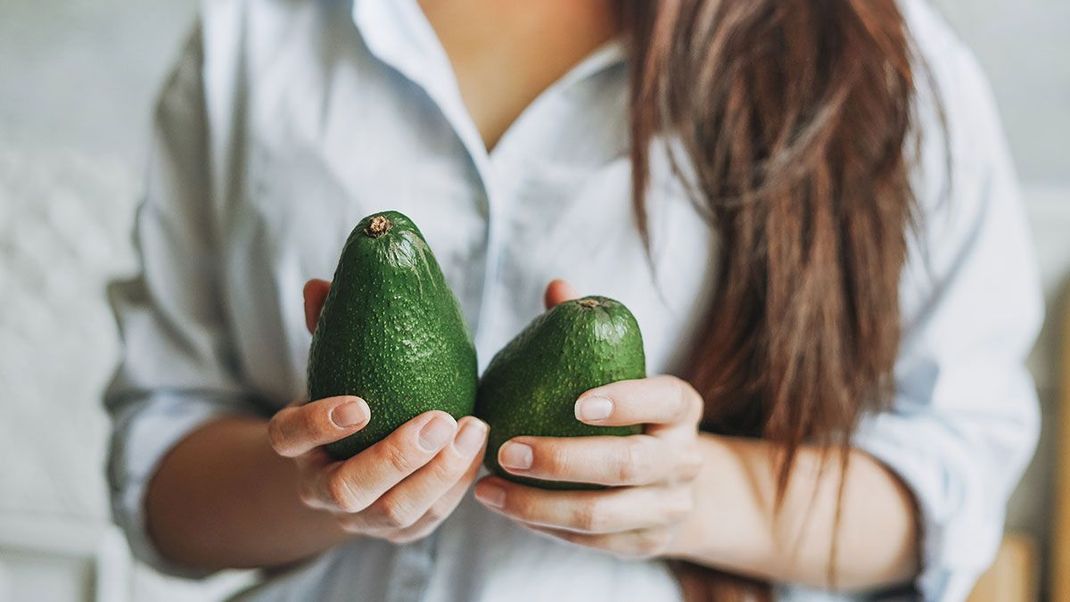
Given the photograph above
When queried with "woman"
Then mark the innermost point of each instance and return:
(807, 204)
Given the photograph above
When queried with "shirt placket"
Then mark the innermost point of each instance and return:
(397, 33)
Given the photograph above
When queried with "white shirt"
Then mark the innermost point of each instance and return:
(286, 122)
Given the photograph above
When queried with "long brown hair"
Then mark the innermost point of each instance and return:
(790, 121)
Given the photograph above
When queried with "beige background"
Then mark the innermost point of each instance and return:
(77, 78)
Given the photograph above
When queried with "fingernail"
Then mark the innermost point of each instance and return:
(491, 495)
(592, 409)
(350, 413)
(470, 439)
(437, 432)
(517, 456)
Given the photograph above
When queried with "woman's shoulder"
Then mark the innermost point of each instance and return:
(956, 113)
(249, 48)
(971, 210)
(944, 59)
(267, 10)
(931, 31)
(257, 32)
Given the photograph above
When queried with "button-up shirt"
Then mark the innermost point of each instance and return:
(285, 122)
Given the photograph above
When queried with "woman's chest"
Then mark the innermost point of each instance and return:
(553, 201)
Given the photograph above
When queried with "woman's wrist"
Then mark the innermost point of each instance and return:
(223, 499)
(738, 526)
(728, 525)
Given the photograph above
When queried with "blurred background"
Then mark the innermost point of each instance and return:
(77, 84)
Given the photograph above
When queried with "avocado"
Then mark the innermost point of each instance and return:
(532, 384)
(391, 332)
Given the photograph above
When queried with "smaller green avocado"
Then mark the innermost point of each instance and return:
(532, 384)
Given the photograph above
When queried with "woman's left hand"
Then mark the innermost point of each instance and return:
(649, 477)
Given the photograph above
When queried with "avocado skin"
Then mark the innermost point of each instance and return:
(532, 384)
(391, 332)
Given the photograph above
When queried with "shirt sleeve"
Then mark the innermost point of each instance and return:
(178, 369)
(965, 419)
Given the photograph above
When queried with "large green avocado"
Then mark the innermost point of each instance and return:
(391, 332)
(531, 385)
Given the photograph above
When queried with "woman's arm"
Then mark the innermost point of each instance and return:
(678, 493)
(223, 498)
(244, 492)
(673, 492)
(736, 526)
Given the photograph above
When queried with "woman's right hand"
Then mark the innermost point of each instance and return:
(399, 489)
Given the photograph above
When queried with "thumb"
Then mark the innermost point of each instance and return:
(558, 291)
(315, 294)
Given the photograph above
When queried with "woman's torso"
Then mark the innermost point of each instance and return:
(339, 122)
(323, 112)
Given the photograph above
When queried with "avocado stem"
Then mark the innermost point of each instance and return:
(379, 226)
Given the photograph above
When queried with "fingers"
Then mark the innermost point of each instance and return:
(353, 485)
(315, 294)
(297, 429)
(614, 461)
(558, 291)
(310, 465)
(591, 512)
(432, 492)
(663, 400)
(438, 512)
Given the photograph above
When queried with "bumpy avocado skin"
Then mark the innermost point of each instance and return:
(391, 332)
(531, 385)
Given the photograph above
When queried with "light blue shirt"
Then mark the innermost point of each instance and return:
(286, 122)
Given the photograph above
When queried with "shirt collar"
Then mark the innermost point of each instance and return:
(398, 33)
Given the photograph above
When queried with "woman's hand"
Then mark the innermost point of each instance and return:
(399, 489)
(649, 477)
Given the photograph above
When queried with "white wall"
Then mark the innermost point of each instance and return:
(1024, 46)
(77, 79)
